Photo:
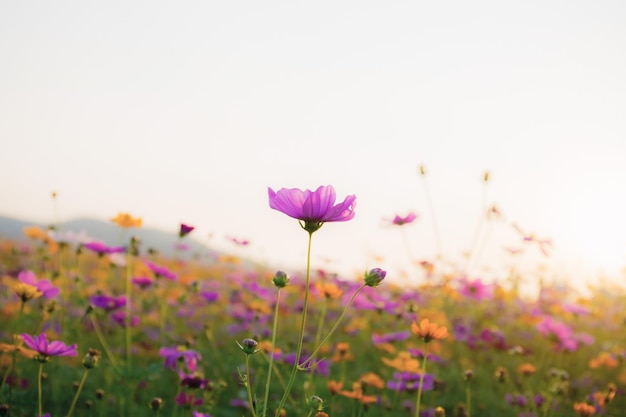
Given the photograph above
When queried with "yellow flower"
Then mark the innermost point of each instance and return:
(35, 232)
(26, 292)
(428, 331)
(126, 221)
(328, 290)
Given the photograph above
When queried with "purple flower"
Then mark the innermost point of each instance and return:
(210, 296)
(142, 282)
(120, 318)
(46, 349)
(161, 271)
(312, 206)
(390, 337)
(107, 303)
(409, 218)
(173, 354)
(185, 230)
(101, 249)
(43, 285)
(188, 400)
(197, 414)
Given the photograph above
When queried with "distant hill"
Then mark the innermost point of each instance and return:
(109, 233)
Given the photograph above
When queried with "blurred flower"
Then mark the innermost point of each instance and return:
(102, 249)
(160, 271)
(428, 331)
(48, 290)
(403, 362)
(328, 290)
(410, 381)
(198, 414)
(314, 208)
(476, 289)
(185, 230)
(175, 353)
(120, 318)
(46, 349)
(400, 221)
(106, 302)
(25, 291)
(390, 337)
(35, 232)
(142, 282)
(584, 409)
(559, 333)
(188, 400)
(241, 242)
(127, 221)
(342, 353)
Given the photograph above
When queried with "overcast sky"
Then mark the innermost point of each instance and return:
(187, 111)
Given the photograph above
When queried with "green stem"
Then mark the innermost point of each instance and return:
(334, 328)
(128, 311)
(103, 342)
(80, 388)
(249, 388)
(318, 336)
(468, 399)
(271, 358)
(15, 341)
(294, 371)
(422, 375)
(39, 375)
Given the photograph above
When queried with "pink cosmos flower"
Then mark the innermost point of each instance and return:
(409, 218)
(49, 291)
(476, 289)
(46, 349)
(314, 207)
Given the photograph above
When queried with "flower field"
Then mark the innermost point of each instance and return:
(91, 329)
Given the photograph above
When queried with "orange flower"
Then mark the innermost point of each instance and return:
(428, 331)
(342, 353)
(526, 369)
(404, 362)
(372, 380)
(328, 290)
(127, 221)
(584, 409)
(35, 232)
(603, 359)
(357, 394)
(334, 387)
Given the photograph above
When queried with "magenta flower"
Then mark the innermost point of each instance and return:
(107, 302)
(409, 218)
(160, 271)
(101, 249)
(175, 353)
(185, 230)
(46, 349)
(314, 208)
(43, 285)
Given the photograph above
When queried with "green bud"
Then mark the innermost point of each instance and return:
(374, 277)
(91, 359)
(280, 279)
(316, 403)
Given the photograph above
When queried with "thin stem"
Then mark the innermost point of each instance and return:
(318, 335)
(39, 375)
(335, 326)
(15, 340)
(468, 399)
(271, 359)
(80, 388)
(422, 375)
(128, 310)
(248, 387)
(103, 342)
(305, 306)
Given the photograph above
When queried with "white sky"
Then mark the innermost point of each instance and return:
(188, 111)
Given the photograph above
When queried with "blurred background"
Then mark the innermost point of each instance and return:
(188, 111)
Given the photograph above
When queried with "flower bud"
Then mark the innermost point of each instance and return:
(99, 393)
(374, 277)
(156, 403)
(316, 403)
(248, 346)
(440, 412)
(280, 279)
(91, 359)
(468, 375)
